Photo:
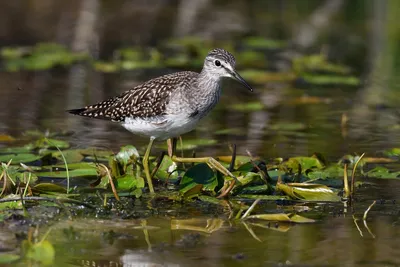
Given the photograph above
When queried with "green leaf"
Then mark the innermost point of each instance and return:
(199, 174)
(306, 163)
(126, 154)
(129, 182)
(81, 173)
(383, 173)
(309, 192)
(72, 155)
(167, 170)
(20, 158)
(393, 152)
(49, 188)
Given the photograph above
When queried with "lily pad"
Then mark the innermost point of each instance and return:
(309, 192)
(81, 173)
(199, 174)
(20, 158)
(383, 173)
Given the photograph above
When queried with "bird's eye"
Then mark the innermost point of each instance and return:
(217, 63)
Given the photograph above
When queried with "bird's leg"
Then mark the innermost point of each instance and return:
(171, 142)
(211, 162)
(146, 165)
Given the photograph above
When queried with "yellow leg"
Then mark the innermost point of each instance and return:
(146, 165)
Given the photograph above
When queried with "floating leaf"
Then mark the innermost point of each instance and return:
(199, 174)
(393, 152)
(20, 158)
(309, 192)
(81, 173)
(382, 172)
(49, 188)
(306, 163)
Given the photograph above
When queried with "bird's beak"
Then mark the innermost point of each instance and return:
(241, 80)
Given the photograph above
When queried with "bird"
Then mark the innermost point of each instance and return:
(168, 106)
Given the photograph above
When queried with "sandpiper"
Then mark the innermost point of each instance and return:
(169, 106)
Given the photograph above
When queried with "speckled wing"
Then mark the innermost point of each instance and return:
(146, 100)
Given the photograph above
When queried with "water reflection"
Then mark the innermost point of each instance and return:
(216, 240)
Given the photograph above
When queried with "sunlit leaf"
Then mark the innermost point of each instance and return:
(129, 182)
(126, 154)
(11, 204)
(239, 161)
(306, 163)
(309, 192)
(393, 152)
(193, 192)
(167, 170)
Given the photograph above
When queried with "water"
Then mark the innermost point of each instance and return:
(294, 120)
(333, 240)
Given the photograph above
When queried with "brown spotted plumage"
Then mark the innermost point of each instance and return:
(145, 100)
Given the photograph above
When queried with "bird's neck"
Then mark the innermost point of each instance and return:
(208, 82)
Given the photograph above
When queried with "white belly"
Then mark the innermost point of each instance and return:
(162, 128)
